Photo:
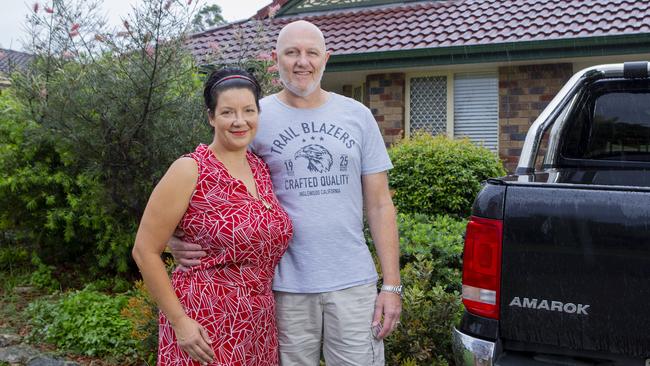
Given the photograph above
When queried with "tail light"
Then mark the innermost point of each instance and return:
(482, 267)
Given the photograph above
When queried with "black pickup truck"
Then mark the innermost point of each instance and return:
(557, 256)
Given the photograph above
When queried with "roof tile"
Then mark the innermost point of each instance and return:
(11, 60)
(431, 24)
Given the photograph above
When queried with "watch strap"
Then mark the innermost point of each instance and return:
(396, 289)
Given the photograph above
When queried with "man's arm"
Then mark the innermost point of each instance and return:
(383, 228)
(185, 254)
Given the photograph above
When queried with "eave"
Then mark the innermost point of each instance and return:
(499, 52)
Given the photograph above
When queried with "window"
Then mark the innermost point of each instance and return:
(612, 125)
(476, 112)
(458, 105)
(428, 104)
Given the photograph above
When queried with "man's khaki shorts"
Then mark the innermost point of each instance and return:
(339, 320)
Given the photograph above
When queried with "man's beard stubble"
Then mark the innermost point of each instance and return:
(297, 91)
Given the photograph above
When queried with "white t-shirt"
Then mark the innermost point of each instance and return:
(317, 157)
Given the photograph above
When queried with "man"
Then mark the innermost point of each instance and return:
(327, 160)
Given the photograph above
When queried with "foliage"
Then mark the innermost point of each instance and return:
(28, 180)
(92, 322)
(251, 52)
(428, 315)
(89, 129)
(431, 259)
(435, 175)
(113, 285)
(208, 17)
(438, 239)
(84, 322)
(12, 257)
(92, 126)
(42, 277)
(142, 312)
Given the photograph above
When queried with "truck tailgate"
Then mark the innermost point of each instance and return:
(578, 275)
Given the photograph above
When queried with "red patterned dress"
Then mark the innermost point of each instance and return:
(229, 293)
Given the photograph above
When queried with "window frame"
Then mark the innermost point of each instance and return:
(587, 98)
(450, 99)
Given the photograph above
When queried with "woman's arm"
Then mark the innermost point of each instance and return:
(166, 206)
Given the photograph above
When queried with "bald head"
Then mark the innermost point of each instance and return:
(298, 30)
(301, 58)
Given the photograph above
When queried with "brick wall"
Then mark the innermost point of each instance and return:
(524, 91)
(385, 98)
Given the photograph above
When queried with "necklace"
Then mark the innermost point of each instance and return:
(266, 204)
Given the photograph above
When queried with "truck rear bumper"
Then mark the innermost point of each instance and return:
(471, 351)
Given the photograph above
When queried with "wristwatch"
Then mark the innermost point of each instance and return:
(394, 289)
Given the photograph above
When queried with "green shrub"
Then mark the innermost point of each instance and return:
(84, 322)
(434, 175)
(439, 239)
(42, 277)
(13, 257)
(428, 315)
(431, 259)
(85, 133)
(49, 205)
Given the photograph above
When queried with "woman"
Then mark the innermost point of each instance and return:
(220, 312)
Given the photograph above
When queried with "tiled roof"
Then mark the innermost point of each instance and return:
(11, 60)
(437, 24)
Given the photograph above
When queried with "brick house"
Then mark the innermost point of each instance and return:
(478, 68)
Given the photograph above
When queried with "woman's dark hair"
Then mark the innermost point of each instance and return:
(225, 79)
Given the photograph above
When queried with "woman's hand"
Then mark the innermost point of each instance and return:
(193, 339)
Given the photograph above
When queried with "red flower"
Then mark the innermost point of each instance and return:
(150, 51)
(272, 68)
(49, 10)
(74, 33)
(35, 7)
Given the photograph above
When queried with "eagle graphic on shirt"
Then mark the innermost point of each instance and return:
(318, 158)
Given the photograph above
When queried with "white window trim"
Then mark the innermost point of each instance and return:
(450, 100)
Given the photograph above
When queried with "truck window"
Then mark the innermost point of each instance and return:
(613, 124)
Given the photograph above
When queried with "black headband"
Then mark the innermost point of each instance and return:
(225, 78)
(231, 77)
